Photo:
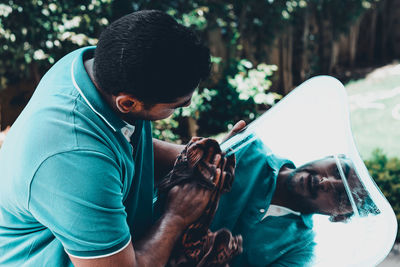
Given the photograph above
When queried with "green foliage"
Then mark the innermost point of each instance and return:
(386, 173)
(36, 33)
(253, 83)
(200, 102)
(164, 130)
(241, 94)
(194, 18)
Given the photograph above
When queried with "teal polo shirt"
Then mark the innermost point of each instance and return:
(271, 241)
(73, 177)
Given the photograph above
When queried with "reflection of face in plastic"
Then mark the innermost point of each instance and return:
(317, 187)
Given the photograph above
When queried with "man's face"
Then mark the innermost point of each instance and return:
(164, 110)
(318, 188)
(157, 111)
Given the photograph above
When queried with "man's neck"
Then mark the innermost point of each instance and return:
(89, 69)
(281, 195)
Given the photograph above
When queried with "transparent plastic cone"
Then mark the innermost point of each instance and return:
(313, 123)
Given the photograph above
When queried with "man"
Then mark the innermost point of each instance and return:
(271, 203)
(76, 182)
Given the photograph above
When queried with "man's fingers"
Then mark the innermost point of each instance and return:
(223, 172)
(225, 160)
(217, 176)
(230, 173)
(235, 129)
(238, 126)
(231, 163)
(209, 155)
(223, 176)
(217, 160)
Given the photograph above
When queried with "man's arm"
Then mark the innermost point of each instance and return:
(164, 157)
(186, 204)
(165, 153)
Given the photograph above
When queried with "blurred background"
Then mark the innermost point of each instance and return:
(261, 50)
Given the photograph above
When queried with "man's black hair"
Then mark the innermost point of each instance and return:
(151, 56)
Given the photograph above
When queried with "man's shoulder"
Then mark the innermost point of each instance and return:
(47, 131)
(59, 74)
(254, 149)
(256, 153)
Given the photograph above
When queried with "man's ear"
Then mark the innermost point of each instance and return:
(126, 103)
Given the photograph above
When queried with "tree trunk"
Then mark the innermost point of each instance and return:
(334, 55)
(395, 37)
(217, 49)
(385, 28)
(192, 127)
(285, 60)
(372, 33)
(305, 66)
(353, 38)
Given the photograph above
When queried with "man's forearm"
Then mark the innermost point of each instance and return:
(164, 157)
(156, 247)
(153, 250)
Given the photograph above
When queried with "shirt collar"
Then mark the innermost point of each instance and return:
(275, 210)
(128, 131)
(89, 93)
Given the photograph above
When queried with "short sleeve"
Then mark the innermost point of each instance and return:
(78, 196)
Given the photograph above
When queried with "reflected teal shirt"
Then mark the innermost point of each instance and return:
(70, 180)
(273, 241)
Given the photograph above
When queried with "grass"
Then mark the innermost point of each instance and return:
(375, 111)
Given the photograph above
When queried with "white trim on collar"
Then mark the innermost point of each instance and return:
(84, 97)
(275, 210)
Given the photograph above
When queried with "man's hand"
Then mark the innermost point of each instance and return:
(235, 129)
(165, 153)
(187, 202)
